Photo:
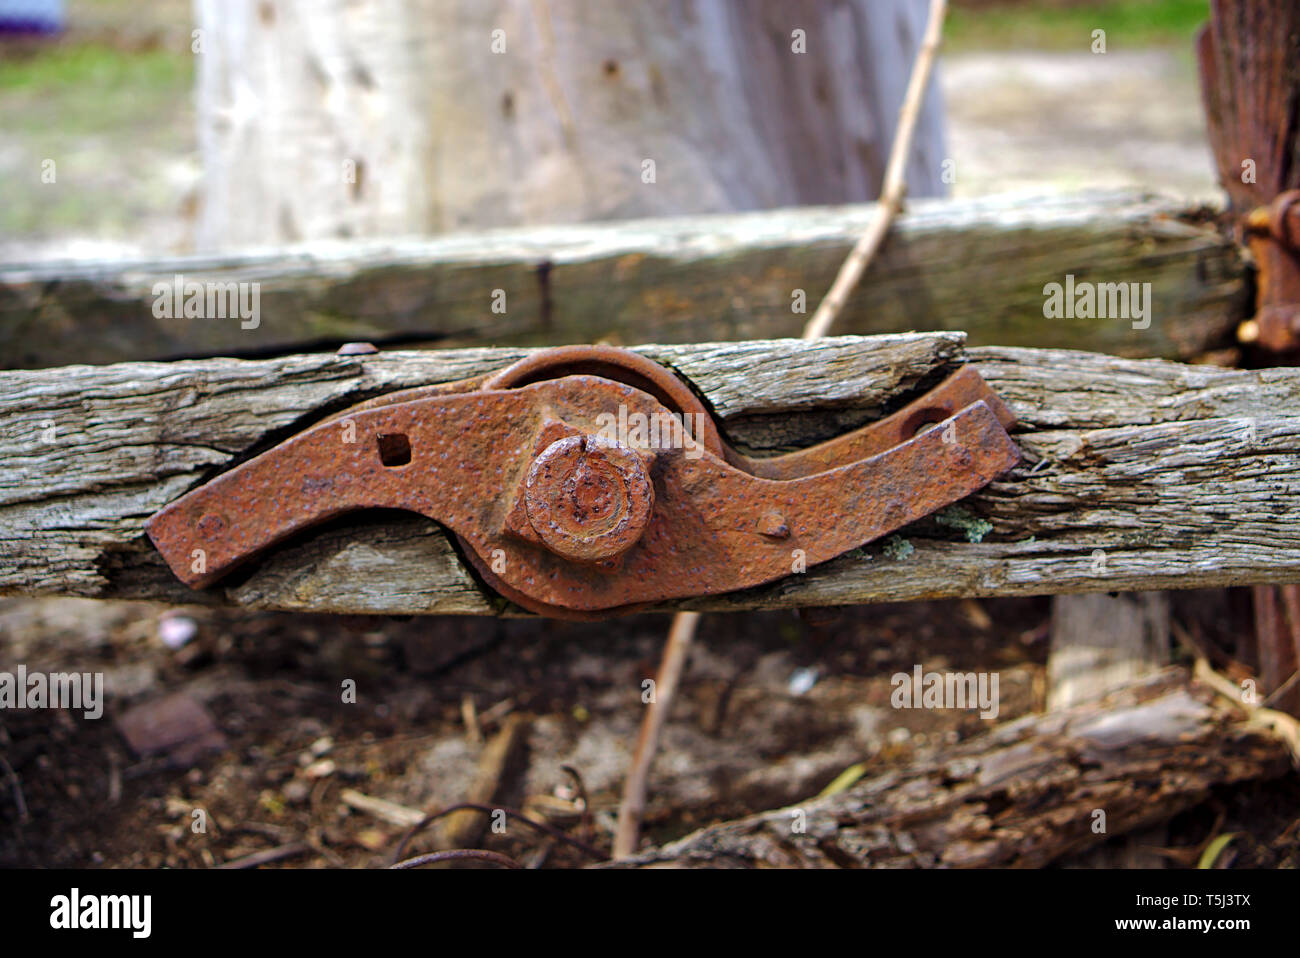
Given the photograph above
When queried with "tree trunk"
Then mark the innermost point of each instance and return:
(325, 118)
(1101, 641)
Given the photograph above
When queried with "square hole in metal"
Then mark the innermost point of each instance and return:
(394, 449)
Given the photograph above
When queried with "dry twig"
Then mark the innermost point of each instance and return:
(16, 785)
(670, 672)
(268, 856)
(466, 829)
(460, 854)
(390, 812)
(1284, 726)
(514, 813)
(894, 186)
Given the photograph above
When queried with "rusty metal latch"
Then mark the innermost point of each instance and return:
(1273, 235)
(1246, 56)
(589, 480)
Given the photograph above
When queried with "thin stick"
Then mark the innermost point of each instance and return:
(682, 631)
(894, 186)
(459, 854)
(1284, 726)
(513, 813)
(269, 856)
(14, 783)
(1281, 689)
(647, 741)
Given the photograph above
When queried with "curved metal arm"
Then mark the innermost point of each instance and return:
(566, 517)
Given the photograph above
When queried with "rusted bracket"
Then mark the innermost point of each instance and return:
(1246, 55)
(586, 481)
(1273, 235)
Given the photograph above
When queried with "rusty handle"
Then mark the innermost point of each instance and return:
(361, 460)
(955, 393)
(831, 512)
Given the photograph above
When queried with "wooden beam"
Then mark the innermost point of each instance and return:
(974, 265)
(1138, 474)
(1020, 796)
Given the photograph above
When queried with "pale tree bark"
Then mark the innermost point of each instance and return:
(1101, 641)
(325, 118)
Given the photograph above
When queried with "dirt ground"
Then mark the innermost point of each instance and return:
(774, 707)
(1045, 122)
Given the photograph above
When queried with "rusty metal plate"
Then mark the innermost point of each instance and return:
(575, 493)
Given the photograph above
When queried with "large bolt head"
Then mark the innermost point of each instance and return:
(588, 497)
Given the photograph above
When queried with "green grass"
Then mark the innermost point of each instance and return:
(88, 88)
(1129, 24)
(103, 114)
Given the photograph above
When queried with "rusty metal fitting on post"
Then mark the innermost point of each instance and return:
(1273, 236)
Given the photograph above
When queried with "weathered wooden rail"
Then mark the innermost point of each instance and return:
(1138, 474)
(973, 265)
(1019, 796)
